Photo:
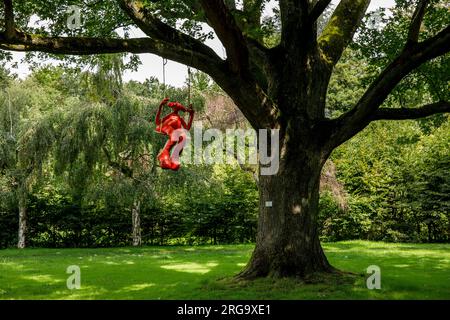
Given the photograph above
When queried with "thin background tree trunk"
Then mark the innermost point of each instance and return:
(136, 217)
(23, 217)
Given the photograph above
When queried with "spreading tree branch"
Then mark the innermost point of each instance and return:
(244, 86)
(89, 46)
(157, 30)
(74, 45)
(163, 40)
(341, 28)
(416, 23)
(169, 43)
(411, 58)
(416, 113)
(227, 76)
(229, 33)
(318, 9)
(9, 18)
(234, 77)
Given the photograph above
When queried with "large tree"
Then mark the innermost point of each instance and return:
(280, 87)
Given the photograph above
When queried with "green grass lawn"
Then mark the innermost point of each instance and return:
(408, 271)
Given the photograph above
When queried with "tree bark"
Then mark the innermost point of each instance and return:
(287, 241)
(21, 243)
(136, 217)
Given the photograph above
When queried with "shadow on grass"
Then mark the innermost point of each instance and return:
(143, 273)
(317, 286)
(207, 273)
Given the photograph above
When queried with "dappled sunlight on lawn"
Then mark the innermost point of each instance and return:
(138, 287)
(86, 292)
(11, 265)
(401, 265)
(206, 272)
(191, 267)
(43, 278)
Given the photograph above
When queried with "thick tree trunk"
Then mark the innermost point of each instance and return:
(21, 243)
(136, 217)
(287, 241)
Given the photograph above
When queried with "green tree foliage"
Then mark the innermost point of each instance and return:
(397, 185)
(346, 85)
(382, 37)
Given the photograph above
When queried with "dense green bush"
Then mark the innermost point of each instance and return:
(191, 215)
(396, 177)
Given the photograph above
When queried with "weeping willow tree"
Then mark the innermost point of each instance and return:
(26, 139)
(107, 133)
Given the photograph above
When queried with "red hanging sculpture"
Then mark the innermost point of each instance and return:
(174, 126)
